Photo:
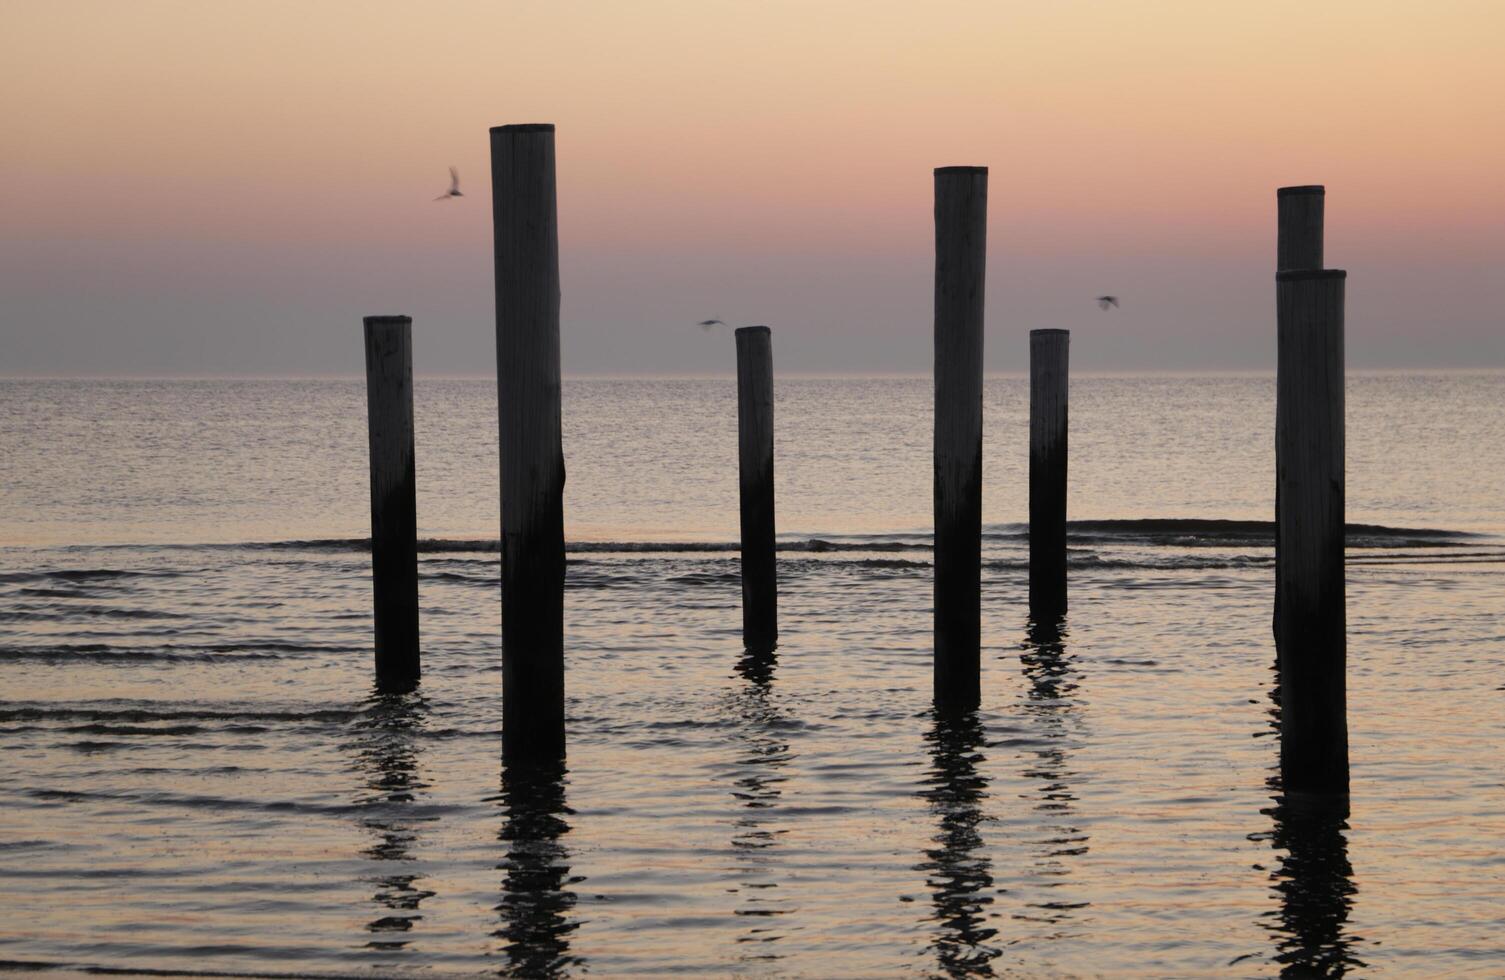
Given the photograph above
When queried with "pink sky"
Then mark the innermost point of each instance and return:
(227, 187)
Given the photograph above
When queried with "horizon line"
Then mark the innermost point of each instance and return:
(731, 375)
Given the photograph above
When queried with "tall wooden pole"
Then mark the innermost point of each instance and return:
(1312, 642)
(526, 240)
(760, 619)
(394, 509)
(1048, 383)
(1298, 245)
(961, 226)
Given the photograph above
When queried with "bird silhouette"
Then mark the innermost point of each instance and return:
(1104, 302)
(454, 186)
(708, 324)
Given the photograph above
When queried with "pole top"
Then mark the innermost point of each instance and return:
(524, 128)
(1302, 189)
(1297, 275)
(753, 330)
(395, 320)
(961, 170)
(1051, 332)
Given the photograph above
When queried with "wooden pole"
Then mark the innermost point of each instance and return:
(961, 226)
(1048, 384)
(526, 239)
(1312, 641)
(1298, 242)
(394, 510)
(760, 618)
(1298, 245)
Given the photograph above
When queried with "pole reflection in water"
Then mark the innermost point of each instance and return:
(957, 869)
(536, 900)
(759, 772)
(1313, 880)
(1050, 707)
(388, 754)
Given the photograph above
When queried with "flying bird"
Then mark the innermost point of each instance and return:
(708, 324)
(1104, 302)
(454, 186)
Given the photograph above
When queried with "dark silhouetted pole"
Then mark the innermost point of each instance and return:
(526, 238)
(1047, 472)
(760, 602)
(394, 509)
(1311, 641)
(1298, 242)
(961, 231)
(1298, 245)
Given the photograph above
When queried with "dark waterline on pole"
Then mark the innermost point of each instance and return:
(961, 225)
(526, 240)
(760, 619)
(394, 510)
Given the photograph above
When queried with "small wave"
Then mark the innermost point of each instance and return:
(188, 801)
(72, 611)
(888, 563)
(1151, 530)
(105, 653)
(143, 716)
(95, 728)
(1194, 532)
(38, 966)
(83, 576)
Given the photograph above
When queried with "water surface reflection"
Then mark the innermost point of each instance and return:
(957, 869)
(387, 754)
(1314, 882)
(1050, 707)
(537, 902)
(757, 778)
(1313, 879)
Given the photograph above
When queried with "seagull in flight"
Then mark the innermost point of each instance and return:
(454, 186)
(1104, 302)
(708, 324)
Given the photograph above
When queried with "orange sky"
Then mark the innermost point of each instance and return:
(277, 160)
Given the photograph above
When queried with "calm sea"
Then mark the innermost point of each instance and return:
(198, 777)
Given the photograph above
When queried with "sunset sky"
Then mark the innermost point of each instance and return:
(211, 188)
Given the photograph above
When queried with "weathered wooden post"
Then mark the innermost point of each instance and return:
(525, 234)
(1298, 245)
(1048, 384)
(1311, 641)
(760, 616)
(1298, 241)
(394, 509)
(961, 228)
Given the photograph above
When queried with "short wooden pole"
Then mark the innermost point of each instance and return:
(394, 512)
(1048, 384)
(1312, 641)
(961, 226)
(526, 240)
(760, 619)
(1298, 240)
(1298, 245)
